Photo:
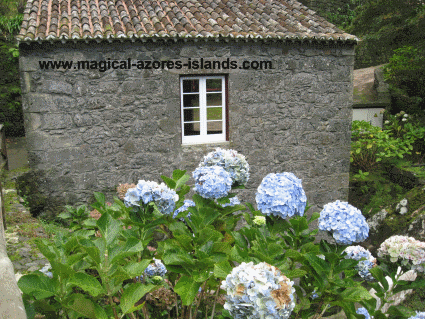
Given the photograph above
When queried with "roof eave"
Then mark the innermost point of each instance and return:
(133, 37)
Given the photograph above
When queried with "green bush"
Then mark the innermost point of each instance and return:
(406, 74)
(344, 16)
(99, 277)
(371, 145)
(386, 25)
(11, 114)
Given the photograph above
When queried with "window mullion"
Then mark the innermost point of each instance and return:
(203, 105)
(223, 106)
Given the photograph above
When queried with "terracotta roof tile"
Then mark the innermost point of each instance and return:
(109, 19)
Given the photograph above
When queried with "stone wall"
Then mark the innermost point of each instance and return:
(89, 131)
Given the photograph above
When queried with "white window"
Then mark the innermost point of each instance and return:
(203, 109)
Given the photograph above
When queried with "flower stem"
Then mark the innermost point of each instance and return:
(113, 306)
(215, 301)
(145, 312)
(200, 298)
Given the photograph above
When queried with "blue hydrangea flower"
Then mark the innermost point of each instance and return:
(363, 311)
(45, 270)
(157, 268)
(345, 222)
(233, 201)
(186, 204)
(232, 162)
(419, 315)
(358, 253)
(164, 198)
(132, 197)
(258, 291)
(314, 294)
(147, 191)
(281, 195)
(212, 182)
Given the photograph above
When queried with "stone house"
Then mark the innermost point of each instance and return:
(114, 92)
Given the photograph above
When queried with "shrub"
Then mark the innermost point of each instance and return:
(99, 277)
(371, 144)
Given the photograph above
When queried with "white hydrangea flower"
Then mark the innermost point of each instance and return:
(258, 291)
(409, 250)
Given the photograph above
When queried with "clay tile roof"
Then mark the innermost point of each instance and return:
(120, 19)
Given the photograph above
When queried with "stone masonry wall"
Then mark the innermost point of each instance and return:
(89, 131)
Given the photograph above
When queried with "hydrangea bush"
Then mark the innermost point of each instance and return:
(157, 268)
(346, 223)
(186, 204)
(212, 182)
(366, 260)
(147, 192)
(409, 250)
(419, 315)
(281, 195)
(258, 291)
(105, 269)
(232, 162)
(363, 311)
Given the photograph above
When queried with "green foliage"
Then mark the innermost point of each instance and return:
(371, 144)
(343, 16)
(406, 74)
(76, 217)
(94, 277)
(11, 114)
(10, 26)
(385, 25)
(87, 272)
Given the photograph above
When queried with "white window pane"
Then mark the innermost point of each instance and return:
(191, 86)
(215, 127)
(191, 115)
(191, 100)
(192, 129)
(213, 85)
(214, 113)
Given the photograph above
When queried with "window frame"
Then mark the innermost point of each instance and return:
(204, 137)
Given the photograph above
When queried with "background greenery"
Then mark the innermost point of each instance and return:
(391, 31)
(10, 92)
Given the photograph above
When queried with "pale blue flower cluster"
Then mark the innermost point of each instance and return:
(232, 162)
(358, 253)
(148, 191)
(345, 222)
(258, 291)
(363, 311)
(281, 195)
(419, 315)
(233, 201)
(186, 204)
(157, 268)
(212, 182)
(45, 270)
